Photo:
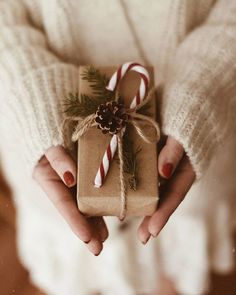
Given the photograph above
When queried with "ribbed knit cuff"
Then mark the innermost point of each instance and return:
(188, 117)
(35, 108)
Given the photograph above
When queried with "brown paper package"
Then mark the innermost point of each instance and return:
(105, 201)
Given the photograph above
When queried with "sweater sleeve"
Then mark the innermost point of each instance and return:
(33, 83)
(199, 102)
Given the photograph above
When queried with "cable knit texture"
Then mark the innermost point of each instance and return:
(35, 81)
(191, 45)
(200, 94)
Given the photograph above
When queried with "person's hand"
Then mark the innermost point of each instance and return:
(56, 174)
(174, 166)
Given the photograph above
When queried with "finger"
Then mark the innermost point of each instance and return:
(99, 227)
(177, 189)
(100, 233)
(63, 200)
(143, 232)
(169, 157)
(63, 164)
(95, 246)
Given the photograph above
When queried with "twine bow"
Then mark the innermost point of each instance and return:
(135, 118)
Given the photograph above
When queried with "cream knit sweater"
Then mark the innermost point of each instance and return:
(192, 45)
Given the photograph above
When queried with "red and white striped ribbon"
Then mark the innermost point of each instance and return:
(140, 95)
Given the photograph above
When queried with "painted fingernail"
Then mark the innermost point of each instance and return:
(167, 170)
(68, 178)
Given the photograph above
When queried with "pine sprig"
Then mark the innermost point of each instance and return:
(80, 106)
(130, 160)
(98, 83)
(84, 105)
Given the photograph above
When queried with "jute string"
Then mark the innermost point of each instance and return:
(137, 120)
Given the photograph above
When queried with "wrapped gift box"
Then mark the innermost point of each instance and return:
(106, 200)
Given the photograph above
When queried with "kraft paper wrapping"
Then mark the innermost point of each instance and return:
(105, 201)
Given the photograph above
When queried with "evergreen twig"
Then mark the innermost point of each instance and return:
(80, 106)
(130, 159)
(98, 83)
(85, 105)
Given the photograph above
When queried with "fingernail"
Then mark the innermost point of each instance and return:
(167, 170)
(68, 178)
(154, 234)
(145, 242)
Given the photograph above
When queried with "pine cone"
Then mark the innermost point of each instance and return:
(111, 117)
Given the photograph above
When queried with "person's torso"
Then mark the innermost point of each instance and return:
(100, 32)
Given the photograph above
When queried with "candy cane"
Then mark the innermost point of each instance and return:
(120, 73)
(107, 158)
(140, 95)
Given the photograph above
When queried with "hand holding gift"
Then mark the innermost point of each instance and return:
(52, 175)
(56, 174)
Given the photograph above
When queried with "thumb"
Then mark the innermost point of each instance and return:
(169, 157)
